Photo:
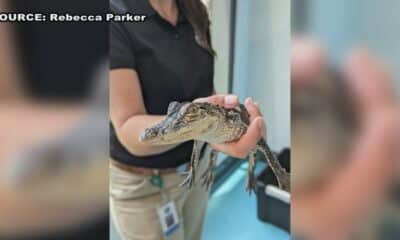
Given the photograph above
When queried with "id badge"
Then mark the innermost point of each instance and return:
(169, 219)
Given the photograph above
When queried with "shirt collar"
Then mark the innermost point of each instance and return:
(145, 7)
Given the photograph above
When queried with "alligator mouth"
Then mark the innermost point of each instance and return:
(171, 137)
(175, 137)
(183, 133)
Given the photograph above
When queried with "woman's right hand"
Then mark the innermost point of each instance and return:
(336, 208)
(256, 129)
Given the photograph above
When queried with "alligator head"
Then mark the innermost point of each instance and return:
(184, 121)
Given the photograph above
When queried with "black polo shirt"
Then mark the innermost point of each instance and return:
(171, 66)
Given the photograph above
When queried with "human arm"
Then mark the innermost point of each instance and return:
(129, 115)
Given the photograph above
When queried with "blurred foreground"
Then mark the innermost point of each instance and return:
(54, 125)
(345, 121)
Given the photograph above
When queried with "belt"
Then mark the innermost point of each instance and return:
(142, 170)
(150, 171)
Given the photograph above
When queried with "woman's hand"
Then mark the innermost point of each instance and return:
(256, 130)
(335, 209)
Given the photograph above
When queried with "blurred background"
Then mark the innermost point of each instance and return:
(326, 125)
(54, 124)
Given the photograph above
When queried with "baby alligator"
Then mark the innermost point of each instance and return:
(205, 122)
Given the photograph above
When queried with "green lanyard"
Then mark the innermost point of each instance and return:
(157, 180)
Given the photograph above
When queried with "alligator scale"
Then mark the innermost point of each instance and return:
(204, 122)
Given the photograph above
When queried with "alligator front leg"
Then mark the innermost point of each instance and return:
(208, 176)
(251, 179)
(190, 176)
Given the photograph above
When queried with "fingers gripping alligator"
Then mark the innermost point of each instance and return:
(204, 122)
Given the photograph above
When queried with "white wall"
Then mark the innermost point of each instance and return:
(262, 63)
(220, 14)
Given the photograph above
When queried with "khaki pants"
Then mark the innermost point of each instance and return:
(134, 202)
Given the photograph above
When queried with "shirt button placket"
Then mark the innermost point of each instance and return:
(176, 34)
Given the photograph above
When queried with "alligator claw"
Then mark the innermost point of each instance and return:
(207, 178)
(189, 179)
(251, 184)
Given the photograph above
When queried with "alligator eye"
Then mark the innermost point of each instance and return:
(192, 109)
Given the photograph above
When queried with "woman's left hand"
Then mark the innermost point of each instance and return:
(242, 147)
